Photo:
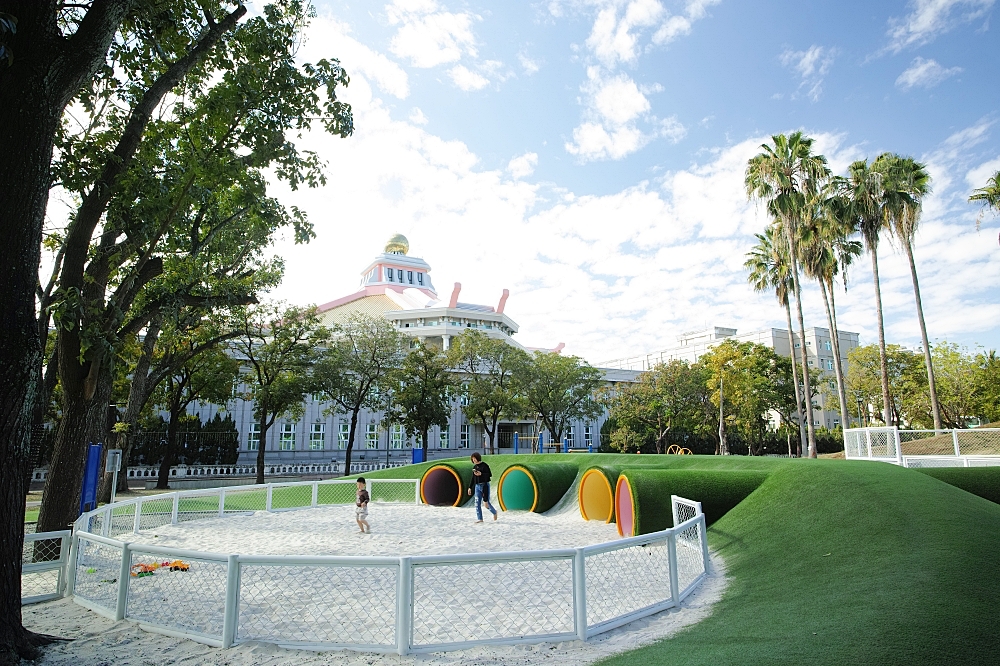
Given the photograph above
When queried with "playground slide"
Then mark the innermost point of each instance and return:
(534, 487)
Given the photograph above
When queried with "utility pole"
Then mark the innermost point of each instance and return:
(723, 446)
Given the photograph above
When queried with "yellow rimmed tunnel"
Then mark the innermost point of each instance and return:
(596, 496)
(444, 484)
(534, 487)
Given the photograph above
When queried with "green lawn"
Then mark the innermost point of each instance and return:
(837, 562)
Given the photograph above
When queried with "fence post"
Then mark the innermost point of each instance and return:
(954, 440)
(267, 502)
(222, 502)
(136, 520)
(315, 495)
(675, 593)
(404, 606)
(232, 601)
(868, 438)
(106, 523)
(71, 565)
(703, 535)
(174, 509)
(515, 443)
(123, 577)
(673, 510)
(416, 490)
(899, 446)
(580, 594)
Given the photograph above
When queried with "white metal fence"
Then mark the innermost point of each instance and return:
(409, 604)
(974, 447)
(43, 565)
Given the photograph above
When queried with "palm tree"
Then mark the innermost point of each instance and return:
(869, 204)
(989, 195)
(826, 251)
(768, 264)
(784, 175)
(910, 178)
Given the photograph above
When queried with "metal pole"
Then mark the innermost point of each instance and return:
(114, 485)
(232, 601)
(580, 594)
(404, 606)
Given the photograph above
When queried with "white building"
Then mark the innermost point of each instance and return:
(819, 353)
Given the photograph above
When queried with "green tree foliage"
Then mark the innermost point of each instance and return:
(354, 371)
(277, 346)
(559, 389)
(420, 392)
(166, 153)
(208, 377)
(489, 369)
(989, 194)
(671, 398)
(864, 382)
(755, 381)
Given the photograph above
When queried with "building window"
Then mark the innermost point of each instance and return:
(253, 437)
(464, 441)
(371, 436)
(409, 276)
(464, 398)
(836, 423)
(443, 438)
(828, 346)
(317, 437)
(399, 274)
(571, 435)
(832, 386)
(420, 278)
(287, 438)
(343, 434)
(588, 435)
(317, 397)
(388, 274)
(829, 364)
(397, 436)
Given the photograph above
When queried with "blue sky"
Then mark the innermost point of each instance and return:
(589, 156)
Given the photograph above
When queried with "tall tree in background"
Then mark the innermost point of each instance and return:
(420, 392)
(355, 366)
(785, 175)
(174, 208)
(769, 268)
(559, 389)
(828, 251)
(911, 181)
(989, 195)
(207, 377)
(277, 346)
(489, 368)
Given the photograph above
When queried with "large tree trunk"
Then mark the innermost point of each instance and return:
(350, 442)
(795, 379)
(931, 382)
(883, 362)
(834, 343)
(83, 422)
(807, 388)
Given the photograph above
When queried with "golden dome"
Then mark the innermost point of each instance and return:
(397, 245)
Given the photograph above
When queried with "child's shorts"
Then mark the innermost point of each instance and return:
(361, 512)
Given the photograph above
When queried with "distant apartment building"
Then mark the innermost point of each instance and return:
(819, 353)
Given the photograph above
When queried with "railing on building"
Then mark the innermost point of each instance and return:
(409, 604)
(974, 447)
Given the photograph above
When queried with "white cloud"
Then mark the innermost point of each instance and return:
(417, 116)
(523, 165)
(466, 79)
(619, 101)
(811, 66)
(529, 65)
(680, 24)
(613, 38)
(591, 141)
(330, 35)
(428, 37)
(925, 73)
(929, 18)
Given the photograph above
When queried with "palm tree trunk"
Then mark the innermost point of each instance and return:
(795, 379)
(931, 382)
(841, 396)
(807, 392)
(883, 363)
(838, 363)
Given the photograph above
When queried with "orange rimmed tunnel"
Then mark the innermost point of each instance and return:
(596, 496)
(441, 485)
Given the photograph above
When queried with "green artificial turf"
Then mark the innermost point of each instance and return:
(849, 562)
(553, 479)
(981, 481)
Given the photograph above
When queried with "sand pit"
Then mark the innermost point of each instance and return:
(442, 614)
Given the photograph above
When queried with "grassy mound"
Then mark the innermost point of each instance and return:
(534, 486)
(848, 562)
(981, 481)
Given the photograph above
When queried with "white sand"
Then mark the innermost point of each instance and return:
(397, 530)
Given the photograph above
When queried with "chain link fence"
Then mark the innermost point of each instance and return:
(43, 565)
(973, 447)
(384, 604)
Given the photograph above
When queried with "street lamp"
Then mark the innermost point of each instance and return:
(861, 421)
